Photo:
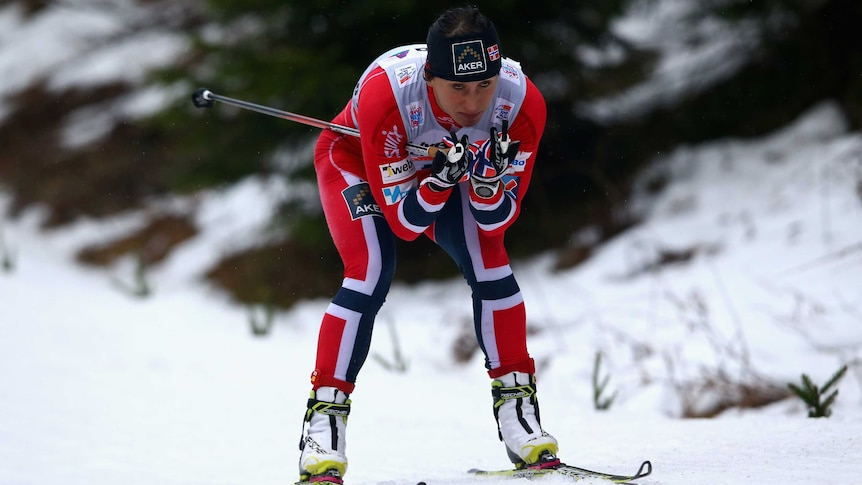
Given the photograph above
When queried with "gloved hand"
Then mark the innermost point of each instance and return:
(449, 167)
(493, 158)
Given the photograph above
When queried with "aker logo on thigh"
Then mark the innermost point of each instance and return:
(360, 202)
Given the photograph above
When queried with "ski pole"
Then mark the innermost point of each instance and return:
(204, 98)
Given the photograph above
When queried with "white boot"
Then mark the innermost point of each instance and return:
(323, 443)
(517, 413)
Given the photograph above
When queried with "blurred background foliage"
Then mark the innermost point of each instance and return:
(305, 57)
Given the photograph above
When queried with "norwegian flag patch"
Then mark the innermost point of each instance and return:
(493, 52)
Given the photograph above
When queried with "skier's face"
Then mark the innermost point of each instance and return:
(465, 102)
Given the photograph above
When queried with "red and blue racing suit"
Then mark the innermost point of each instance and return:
(370, 191)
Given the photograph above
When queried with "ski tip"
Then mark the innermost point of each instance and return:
(645, 469)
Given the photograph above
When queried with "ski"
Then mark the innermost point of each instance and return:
(576, 473)
(573, 472)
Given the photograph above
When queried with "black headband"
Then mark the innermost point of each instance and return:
(471, 57)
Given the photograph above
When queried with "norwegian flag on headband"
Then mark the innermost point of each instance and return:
(493, 52)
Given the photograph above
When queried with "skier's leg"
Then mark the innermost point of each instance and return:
(501, 329)
(498, 305)
(367, 249)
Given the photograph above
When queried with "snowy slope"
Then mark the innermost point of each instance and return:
(97, 387)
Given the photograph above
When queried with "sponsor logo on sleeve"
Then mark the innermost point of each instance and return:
(520, 161)
(393, 194)
(416, 115)
(407, 75)
(446, 121)
(397, 171)
(360, 202)
(393, 59)
(502, 109)
(392, 145)
(510, 74)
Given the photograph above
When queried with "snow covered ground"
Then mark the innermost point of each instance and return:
(97, 387)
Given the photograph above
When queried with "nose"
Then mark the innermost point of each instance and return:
(471, 102)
